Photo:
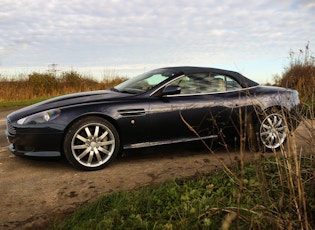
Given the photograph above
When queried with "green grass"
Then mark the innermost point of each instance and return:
(254, 198)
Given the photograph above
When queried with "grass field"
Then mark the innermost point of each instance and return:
(272, 193)
(35, 87)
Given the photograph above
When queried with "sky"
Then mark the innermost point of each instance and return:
(130, 37)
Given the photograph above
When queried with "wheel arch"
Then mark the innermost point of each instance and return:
(103, 116)
(258, 112)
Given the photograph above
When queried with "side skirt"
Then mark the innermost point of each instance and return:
(174, 141)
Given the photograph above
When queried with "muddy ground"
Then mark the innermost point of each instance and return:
(35, 194)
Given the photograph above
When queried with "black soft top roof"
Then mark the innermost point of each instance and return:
(244, 81)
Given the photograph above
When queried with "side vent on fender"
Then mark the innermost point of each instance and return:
(131, 112)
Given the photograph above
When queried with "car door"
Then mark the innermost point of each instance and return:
(200, 110)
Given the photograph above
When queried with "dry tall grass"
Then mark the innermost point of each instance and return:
(42, 85)
(300, 75)
(280, 194)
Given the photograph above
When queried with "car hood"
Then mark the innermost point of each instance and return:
(68, 100)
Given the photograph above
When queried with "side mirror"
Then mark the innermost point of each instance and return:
(171, 90)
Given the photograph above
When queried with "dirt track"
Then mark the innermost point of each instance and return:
(37, 193)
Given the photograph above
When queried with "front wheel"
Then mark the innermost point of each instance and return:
(91, 143)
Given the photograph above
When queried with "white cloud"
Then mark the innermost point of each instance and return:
(150, 33)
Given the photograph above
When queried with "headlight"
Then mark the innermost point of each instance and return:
(40, 117)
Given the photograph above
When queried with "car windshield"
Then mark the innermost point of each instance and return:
(144, 82)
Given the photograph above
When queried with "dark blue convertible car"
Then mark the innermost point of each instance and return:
(163, 106)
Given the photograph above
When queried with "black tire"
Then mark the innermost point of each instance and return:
(91, 143)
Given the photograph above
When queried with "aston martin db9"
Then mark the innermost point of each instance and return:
(162, 106)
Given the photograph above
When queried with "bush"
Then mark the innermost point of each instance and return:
(42, 84)
(46, 85)
(300, 75)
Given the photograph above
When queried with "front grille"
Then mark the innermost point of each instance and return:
(10, 127)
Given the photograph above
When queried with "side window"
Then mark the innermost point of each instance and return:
(232, 84)
(216, 83)
(187, 84)
(205, 83)
(222, 83)
(210, 83)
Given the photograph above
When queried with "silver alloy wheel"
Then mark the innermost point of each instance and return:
(273, 131)
(93, 144)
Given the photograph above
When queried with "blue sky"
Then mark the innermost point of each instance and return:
(130, 37)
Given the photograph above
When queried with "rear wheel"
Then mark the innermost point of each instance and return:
(273, 130)
(267, 132)
(91, 143)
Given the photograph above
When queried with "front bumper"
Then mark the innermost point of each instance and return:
(39, 144)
